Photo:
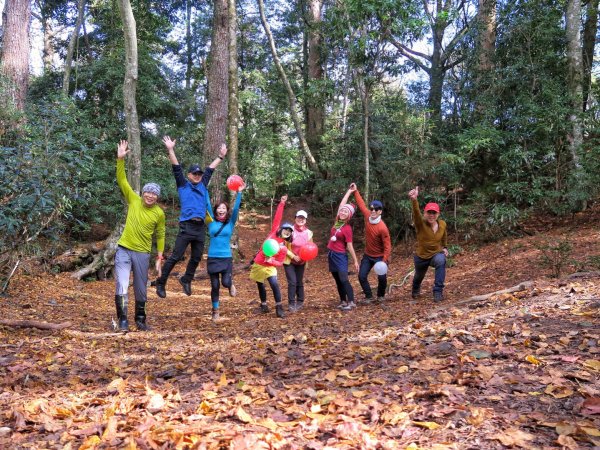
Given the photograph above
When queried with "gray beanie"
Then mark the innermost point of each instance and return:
(153, 188)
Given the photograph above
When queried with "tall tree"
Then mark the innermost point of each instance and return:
(590, 29)
(486, 46)
(72, 43)
(293, 106)
(315, 104)
(234, 111)
(14, 61)
(574, 57)
(442, 16)
(218, 82)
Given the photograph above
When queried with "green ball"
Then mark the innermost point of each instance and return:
(270, 247)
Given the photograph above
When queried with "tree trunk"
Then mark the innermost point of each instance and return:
(486, 22)
(436, 72)
(234, 112)
(72, 42)
(188, 44)
(363, 89)
(14, 62)
(49, 33)
(315, 109)
(574, 58)
(134, 162)
(290, 93)
(589, 42)
(218, 92)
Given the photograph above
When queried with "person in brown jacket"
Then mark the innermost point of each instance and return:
(432, 242)
(378, 246)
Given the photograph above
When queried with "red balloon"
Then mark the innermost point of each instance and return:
(308, 251)
(234, 182)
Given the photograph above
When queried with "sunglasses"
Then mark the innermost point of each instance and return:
(375, 209)
(196, 174)
(431, 212)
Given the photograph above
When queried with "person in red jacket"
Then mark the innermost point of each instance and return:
(378, 246)
(265, 267)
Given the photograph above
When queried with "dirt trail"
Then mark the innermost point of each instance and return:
(518, 370)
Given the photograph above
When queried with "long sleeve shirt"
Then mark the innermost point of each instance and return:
(142, 222)
(377, 236)
(192, 197)
(220, 246)
(428, 242)
(279, 257)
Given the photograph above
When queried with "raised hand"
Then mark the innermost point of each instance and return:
(414, 193)
(242, 187)
(352, 187)
(122, 149)
(223, 151)
(169, 143)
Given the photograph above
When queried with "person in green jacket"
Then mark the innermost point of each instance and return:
(144, 219)
(432, 242)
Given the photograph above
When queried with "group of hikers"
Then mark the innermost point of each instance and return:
(145, 219)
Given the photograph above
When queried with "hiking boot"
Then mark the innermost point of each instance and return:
(187, 287)
(299, 306)
(367, 300)
(342, 305)
(264, 308)
(215, 315)
(160, 290)
(415, 294)
(140, 316)
(292, 307)
(381, 300)
(279, 310)
(232, 291)
(438, 296)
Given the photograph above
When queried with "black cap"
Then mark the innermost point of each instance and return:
(195, 168)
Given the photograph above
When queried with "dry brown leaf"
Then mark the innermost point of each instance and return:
(558, 391)
(593, 364)
(428, 425)
(243, 415)
(566, 428)
(156, 403)
(567, 442)
(591, 406)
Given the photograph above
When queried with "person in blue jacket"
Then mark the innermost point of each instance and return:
(193, 194)
(219, 263)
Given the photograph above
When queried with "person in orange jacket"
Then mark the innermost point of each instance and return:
(378, 246)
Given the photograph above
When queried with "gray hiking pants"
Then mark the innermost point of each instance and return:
(126, 261)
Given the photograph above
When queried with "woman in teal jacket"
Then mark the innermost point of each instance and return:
(219, 263)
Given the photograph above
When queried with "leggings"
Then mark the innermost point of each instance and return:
(262, 292)
(215, 284)
(343, 286)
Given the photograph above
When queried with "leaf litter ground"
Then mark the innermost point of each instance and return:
(517, 370)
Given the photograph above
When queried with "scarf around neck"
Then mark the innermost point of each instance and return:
(374, 221)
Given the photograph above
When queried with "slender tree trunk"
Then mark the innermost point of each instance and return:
(49, 34)
(486, 22)
(234, 113)
(104, 260)
(129, 94)
(345, 90)
(71, 50)
(188, 44)
(218, 91)
(14, 61)
(290, 93)
(589, 42)
(363, 89)
(436, 74)
(574, 57)
(315, 110)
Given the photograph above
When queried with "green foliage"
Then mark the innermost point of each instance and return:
(556, 256)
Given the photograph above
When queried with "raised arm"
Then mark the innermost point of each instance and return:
(236, 208)
(417, 216)
(278, 215)
(220, 157)
(170, 145)
(347, 195)
(360, 202)
(128, 193)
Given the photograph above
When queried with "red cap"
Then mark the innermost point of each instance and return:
(432, 207)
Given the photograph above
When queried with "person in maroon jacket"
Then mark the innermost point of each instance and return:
(340, 242)
(265, 267)
(378, 246)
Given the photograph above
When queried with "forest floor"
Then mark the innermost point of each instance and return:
(515, 370)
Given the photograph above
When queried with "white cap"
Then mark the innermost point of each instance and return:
(302, 213)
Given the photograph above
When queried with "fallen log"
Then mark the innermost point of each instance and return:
(477, 298)
(35, 324)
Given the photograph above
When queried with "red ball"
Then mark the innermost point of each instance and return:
(308, 251)
(234, 182)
